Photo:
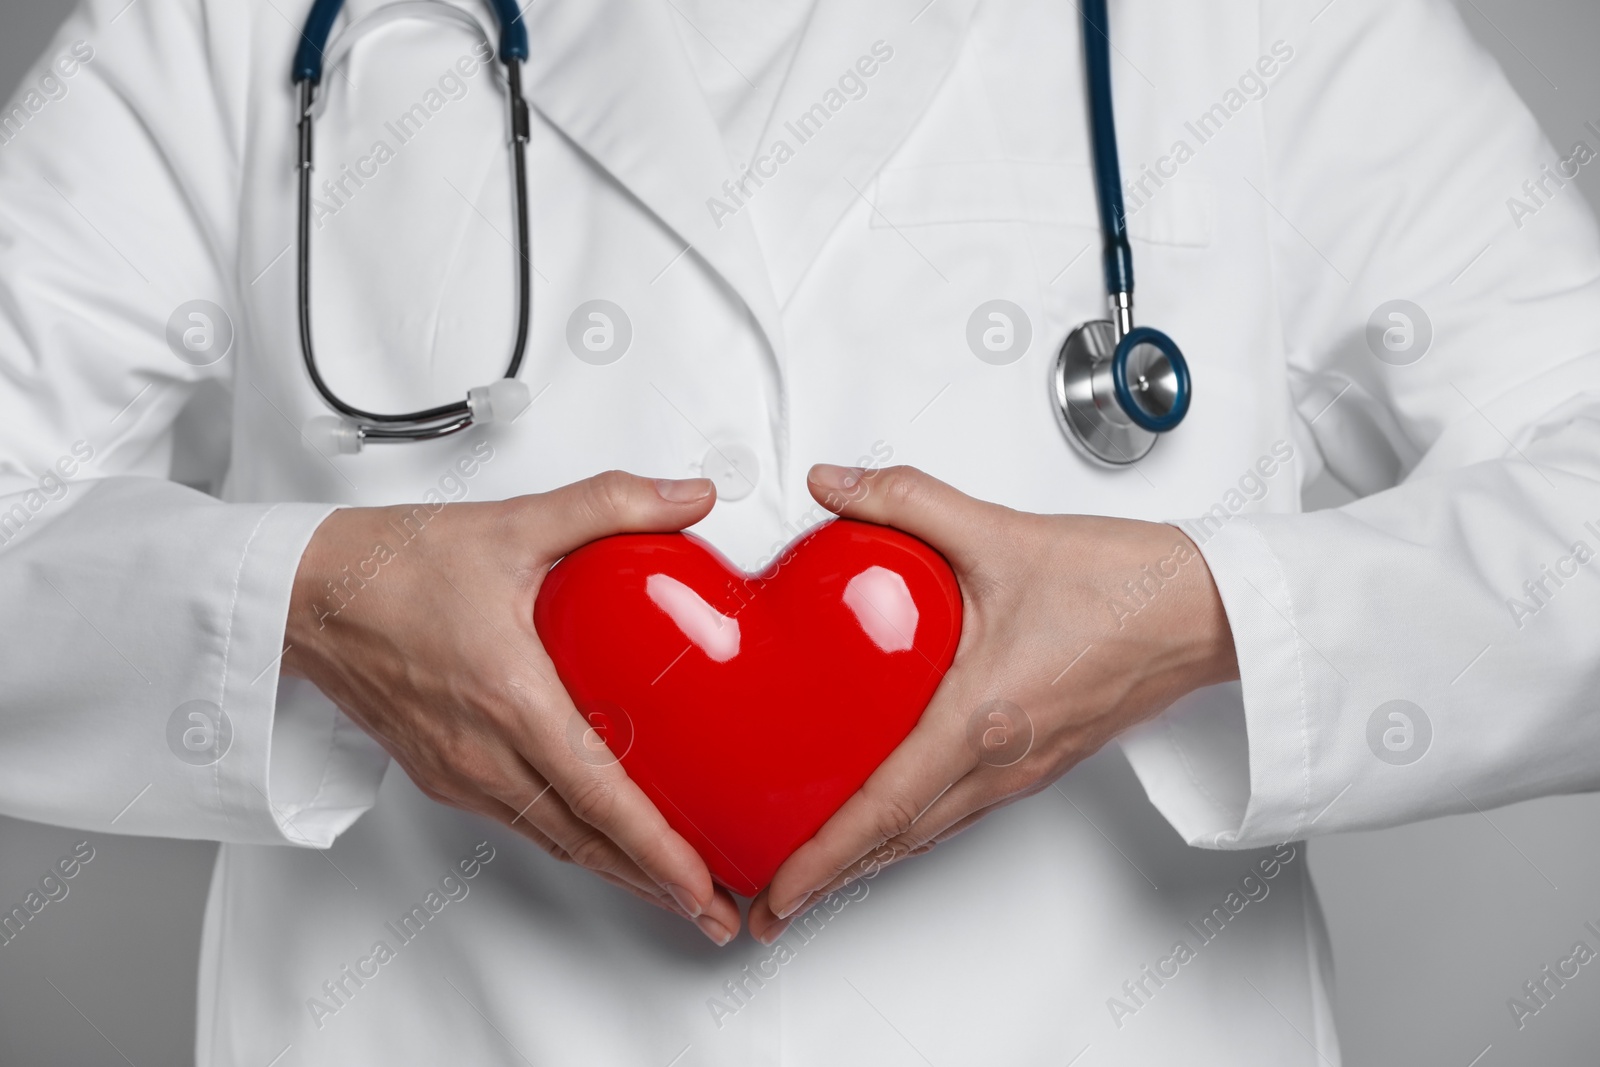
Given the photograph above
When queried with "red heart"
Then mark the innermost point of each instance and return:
(750, 707)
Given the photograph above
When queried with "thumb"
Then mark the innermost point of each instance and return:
(618, 502)
(905, 498)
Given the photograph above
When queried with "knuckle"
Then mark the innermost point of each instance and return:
(453, 751)
(592, 800)
(432, 778)
(592, 850)
(432, 789)
(896, 814)
(899, 486)
(469, 762)
(541, 837)
(611, 492)
(893, 851)
(651, 854)
(554, 851)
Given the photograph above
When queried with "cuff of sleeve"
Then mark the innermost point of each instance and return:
(1229, 766)
(301, 773)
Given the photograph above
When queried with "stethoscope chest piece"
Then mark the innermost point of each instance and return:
(1114, 397)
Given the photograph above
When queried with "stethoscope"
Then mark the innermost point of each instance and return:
(1114, 386)
(501, 400)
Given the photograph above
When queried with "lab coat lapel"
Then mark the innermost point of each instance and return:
(611, 76)
(832, 167)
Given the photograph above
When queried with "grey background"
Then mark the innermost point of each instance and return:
(1434, 925)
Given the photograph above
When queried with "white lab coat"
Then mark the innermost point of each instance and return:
(824, 320)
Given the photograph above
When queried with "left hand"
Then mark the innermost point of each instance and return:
(1074, 628)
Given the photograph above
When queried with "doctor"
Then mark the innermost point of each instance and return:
(1318, 197)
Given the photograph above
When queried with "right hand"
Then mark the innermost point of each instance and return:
(428, 644)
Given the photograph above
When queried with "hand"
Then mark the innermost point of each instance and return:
(1061, 650)
(417, 622)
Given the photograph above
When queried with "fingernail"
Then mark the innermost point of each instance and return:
(714, 930)
(683, 490)
(772, 933)
(831, 477)
(685, 899)
(793, 906)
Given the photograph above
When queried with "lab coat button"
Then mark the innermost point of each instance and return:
(733, 468)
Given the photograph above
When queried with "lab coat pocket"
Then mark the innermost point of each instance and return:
(1173, 211)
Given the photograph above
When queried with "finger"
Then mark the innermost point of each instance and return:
(968, 801)
(578, 841)
(765, 924)
(961, 825)
(719, 921)
(617, 502)
(503, 782)
(604, 798)
(932, 758)
(985, 790)
(907, 499)
(766, 927)
(716, 923)
(723, 911)
(493, 780)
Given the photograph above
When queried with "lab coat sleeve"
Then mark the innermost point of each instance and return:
(1430, 647)
(125, 596)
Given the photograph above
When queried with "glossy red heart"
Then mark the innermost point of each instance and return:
(750, 707)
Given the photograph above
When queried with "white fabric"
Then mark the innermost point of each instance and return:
(831, 325)
(741, 54)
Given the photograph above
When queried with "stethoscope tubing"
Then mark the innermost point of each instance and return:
(444, 419)
(1118, 255)
(309, 53)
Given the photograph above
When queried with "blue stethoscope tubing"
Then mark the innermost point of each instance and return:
(319, 23)
(1113, 379)
(502, 399)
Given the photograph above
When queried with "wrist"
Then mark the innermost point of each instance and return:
(323, 585)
